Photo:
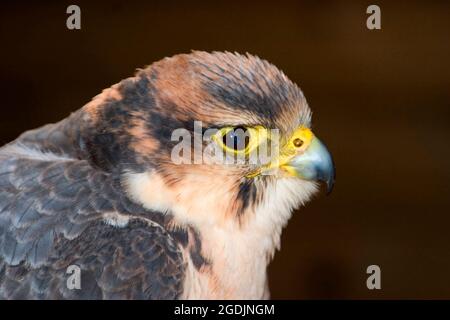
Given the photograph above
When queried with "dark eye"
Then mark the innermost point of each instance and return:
(236, 139)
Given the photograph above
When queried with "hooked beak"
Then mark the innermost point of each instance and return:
(315, 164)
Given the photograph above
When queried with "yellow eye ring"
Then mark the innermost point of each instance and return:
(238, 140)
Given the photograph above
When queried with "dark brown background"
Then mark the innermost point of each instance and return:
(380, 101)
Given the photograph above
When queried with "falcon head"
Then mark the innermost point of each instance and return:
(157, 127)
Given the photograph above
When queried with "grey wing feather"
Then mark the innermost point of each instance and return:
(51, 208)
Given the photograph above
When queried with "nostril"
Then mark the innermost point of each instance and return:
(298, 142)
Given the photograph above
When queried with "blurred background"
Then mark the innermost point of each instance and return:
(380, 99)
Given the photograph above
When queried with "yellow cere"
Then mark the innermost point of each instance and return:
(305, 135)
(297, 144)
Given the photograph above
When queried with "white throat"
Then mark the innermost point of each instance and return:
(239, 253)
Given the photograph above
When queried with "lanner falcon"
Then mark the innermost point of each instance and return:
(101, 193)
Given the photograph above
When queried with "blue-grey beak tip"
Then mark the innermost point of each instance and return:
(330, 181)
